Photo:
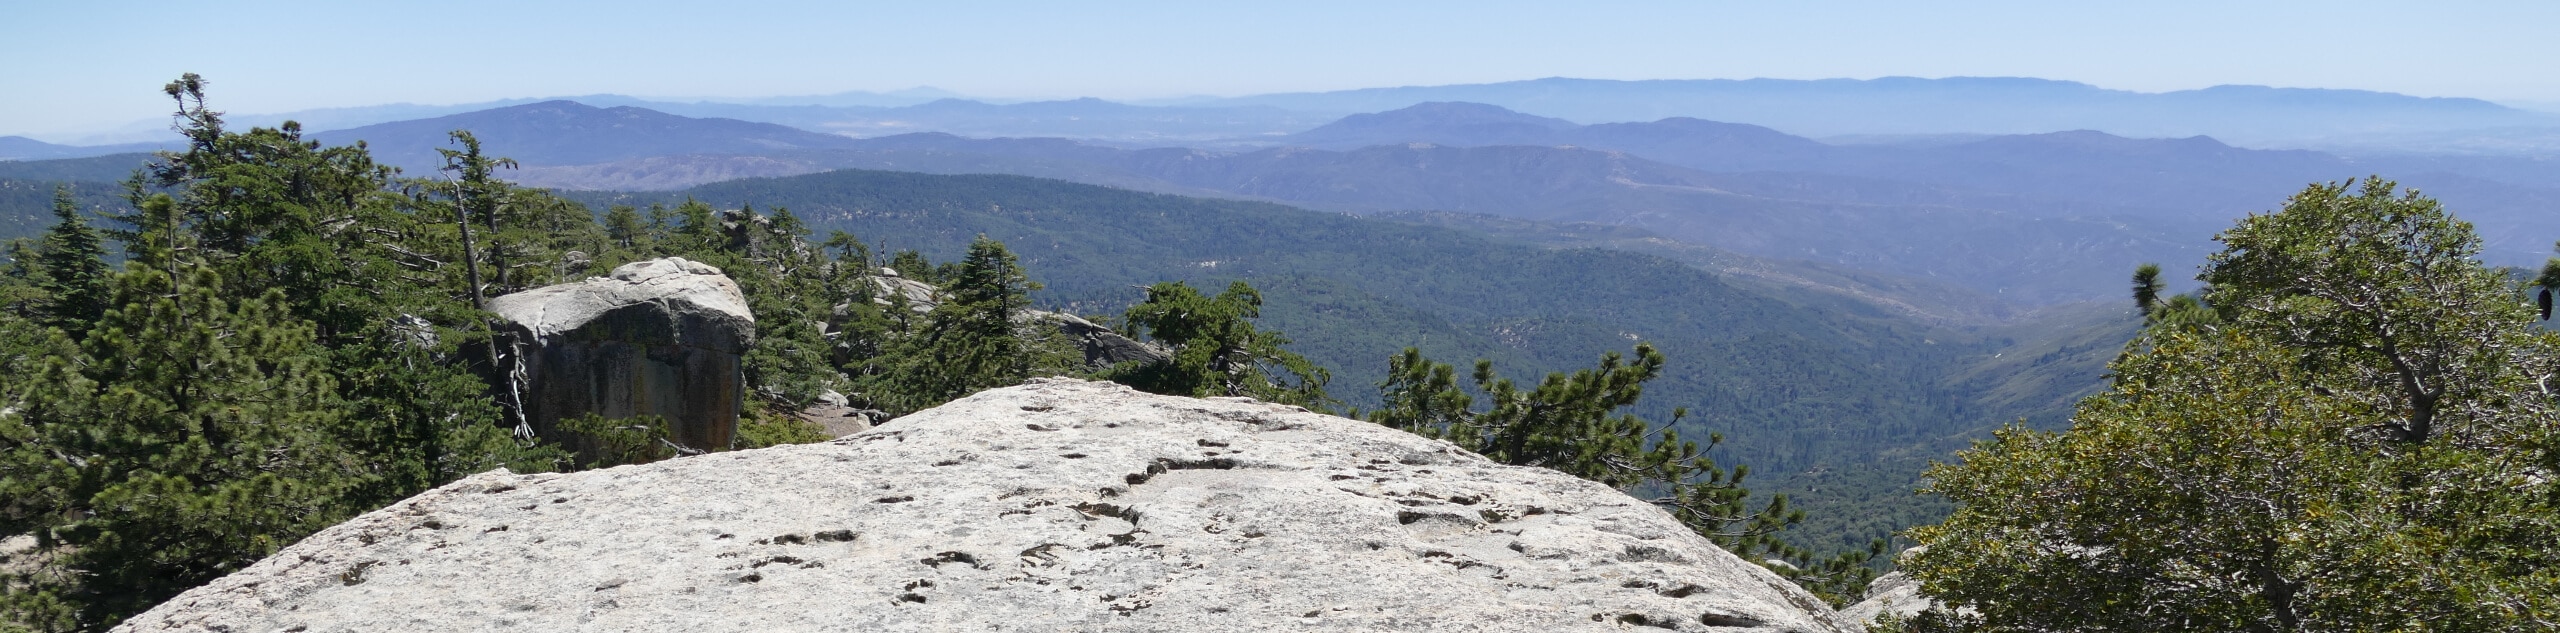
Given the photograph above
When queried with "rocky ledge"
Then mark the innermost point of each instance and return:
(1058, 505)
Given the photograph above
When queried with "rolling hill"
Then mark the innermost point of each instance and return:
(2255, 115)
(572, 133)
(1819, 390)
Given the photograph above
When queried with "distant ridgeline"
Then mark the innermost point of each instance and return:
(1833, 399)
(302, 326)
(1837, 401)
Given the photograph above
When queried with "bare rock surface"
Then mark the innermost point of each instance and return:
(1893, 593)
(1060, 505)
(921, 297)
(837, 416)
(552, 310)
(661, 337)
(1102, 347)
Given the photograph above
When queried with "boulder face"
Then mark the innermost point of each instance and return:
(1102, 347)
(1894, 593)
(1057, 505)
(661, 337)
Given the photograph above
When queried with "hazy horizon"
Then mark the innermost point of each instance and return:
(101, 65)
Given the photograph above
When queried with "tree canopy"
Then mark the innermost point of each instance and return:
(297, 334)
(2361, 439)
(1217, 350)
(1574, 423)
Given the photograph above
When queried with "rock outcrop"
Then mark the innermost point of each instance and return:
(1058, 505)
(921, 297)
(1102, 347)
(1893, 593)
(661, 337)
(836, 415)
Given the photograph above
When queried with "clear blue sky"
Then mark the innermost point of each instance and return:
(67, 67)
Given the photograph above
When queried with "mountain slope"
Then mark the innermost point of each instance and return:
(20, 148)
(23, 148)
(1551, 308)
(571, 133)
(1819, 392)
(100, 169)
(1455, 123)
(1987, 105)
(2029, 219)
(1807, 383)
(2002, 245)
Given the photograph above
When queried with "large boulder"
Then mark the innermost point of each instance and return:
(1102, 347)
(1895, 593)
(921, 297)
(660, 337)
(1057, 505)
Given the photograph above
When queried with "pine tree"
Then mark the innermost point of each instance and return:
(73, 269)
(1217, 351)
(2361, 440)
(627, 237)
(188, 437)
(1571, 423)
(189, 431)
(2146, 288)
(969, 342)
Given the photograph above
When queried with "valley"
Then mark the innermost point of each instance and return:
(1843, 313)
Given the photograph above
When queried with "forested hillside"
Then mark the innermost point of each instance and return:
(1813, 374)
(1832, 398)
(2029, 219)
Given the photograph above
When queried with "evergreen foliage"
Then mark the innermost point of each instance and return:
(2360, 439)
(1217, 351)
(298, 336)
(2146, 288)
(1832, 400)
(1571, 423)
(71, 269)
(188, 435)
(971, 340)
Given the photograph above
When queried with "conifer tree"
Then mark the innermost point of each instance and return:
(192, 431)
(967, 343)
(188, 437)
(1217, 351)
(73, 269)
(626, 233)
(2146, 288)
(2360, 440)
(1571, 423)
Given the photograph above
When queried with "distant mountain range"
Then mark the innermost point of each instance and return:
(2250, 115)
(572, 133)
(20, 148)
(1889, 108)
(1950, 269)
(2028, 219)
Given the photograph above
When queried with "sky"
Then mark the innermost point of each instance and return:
(71, 68)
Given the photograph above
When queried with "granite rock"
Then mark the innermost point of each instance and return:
(1102, 347)
(661, 337)
(1057, 505)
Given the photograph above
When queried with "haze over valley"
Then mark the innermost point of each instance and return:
(1850, 256)
(1959, 243)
